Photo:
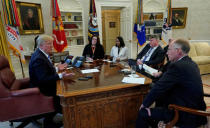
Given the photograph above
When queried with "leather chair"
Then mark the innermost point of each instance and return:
(17, 100)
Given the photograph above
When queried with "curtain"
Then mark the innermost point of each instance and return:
(3, 43)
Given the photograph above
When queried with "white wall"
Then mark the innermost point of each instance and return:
(198, 19)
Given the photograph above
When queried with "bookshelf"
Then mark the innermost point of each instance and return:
(73, 27)
(153, 24)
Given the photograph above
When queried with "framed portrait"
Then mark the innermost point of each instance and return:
(179, 16)
(30, 16)
(153, 16)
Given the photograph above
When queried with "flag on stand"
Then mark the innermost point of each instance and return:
(167, 28)
(11, 21)
(60, 42)
(139, 27)
(92, 24)
(13, 38)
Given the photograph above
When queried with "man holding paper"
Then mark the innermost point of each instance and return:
(181, 85)
(151, 55)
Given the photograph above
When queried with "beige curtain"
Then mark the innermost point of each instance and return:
(3, 43)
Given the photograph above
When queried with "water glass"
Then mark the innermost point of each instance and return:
(133, 69)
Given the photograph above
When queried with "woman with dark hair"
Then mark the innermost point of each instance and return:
(94, 50)
(119, 52)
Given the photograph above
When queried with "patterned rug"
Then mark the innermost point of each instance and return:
(206, 89)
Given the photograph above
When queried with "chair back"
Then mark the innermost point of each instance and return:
(6, 75)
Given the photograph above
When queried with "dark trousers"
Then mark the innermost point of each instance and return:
(157, 114)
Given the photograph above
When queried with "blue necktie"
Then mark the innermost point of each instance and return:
(49, 59)
(147, 54)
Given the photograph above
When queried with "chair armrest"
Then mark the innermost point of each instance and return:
(178, 108)
(25, 92)
(189, 110)
(24, 83)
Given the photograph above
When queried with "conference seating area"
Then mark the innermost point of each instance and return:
(18, 91)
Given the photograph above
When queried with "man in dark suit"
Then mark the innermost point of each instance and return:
(181, 85)
(151, 55)
(44, 75)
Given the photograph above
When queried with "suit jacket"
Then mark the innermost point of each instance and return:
(165, 50)
(42, 73)
(181, 85)
(156, 57)
(98, 54)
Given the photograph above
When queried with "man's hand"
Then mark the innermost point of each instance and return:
(157, 74)
(67, 75)
(139, 62)
(148, 109)
(62, 67)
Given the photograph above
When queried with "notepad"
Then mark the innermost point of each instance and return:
(149, 70)
(133, 80)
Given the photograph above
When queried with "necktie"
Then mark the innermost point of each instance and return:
(49, 59)
(147, 54)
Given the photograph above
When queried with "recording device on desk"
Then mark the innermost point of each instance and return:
(78, 61)
(68, 59)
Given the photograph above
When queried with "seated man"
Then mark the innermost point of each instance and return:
(151, 55)
(44, 75)
(181, 85)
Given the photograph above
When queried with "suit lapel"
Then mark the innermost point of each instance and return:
(48, 62)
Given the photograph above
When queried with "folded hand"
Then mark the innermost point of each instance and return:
(139, 62)
(62, 66)
(67, 75)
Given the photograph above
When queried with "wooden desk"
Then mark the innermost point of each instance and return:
(101, 102)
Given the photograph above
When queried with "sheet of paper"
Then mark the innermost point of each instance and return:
(107, 60)
(149, 69)
(134, 75)
(89, 71)
(133, 80)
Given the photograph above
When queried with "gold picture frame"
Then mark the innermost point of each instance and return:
(179, 17)
(30, 16)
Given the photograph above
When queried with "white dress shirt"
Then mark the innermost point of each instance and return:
(123, 54)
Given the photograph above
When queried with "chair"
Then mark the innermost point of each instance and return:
(178, 108)
(17, 100)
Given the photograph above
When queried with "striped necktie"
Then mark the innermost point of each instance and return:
(147, 54)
